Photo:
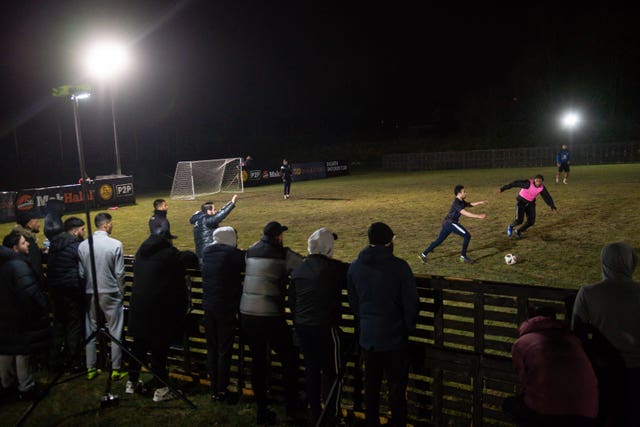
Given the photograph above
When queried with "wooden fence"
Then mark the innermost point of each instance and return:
(461, 351)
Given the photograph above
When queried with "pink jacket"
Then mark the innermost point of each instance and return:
(554, 370)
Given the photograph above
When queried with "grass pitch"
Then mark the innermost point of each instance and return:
(598, 205)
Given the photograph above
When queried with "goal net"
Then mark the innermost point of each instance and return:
(202, 177)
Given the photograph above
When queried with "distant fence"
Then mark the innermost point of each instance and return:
(588, 154)
(461, 352)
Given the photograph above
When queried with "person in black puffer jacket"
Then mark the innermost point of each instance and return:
(222, 268)
(315, 297)
(158, 307)
(206, 220)
(24, 315)
(67, 295)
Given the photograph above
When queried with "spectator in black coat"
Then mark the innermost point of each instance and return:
(206, 220)
(28, 224)
(24, 316)
(384, 299)
(315, 298)
(222, 269)
(158, 220)
(158, 307)
(67, 295)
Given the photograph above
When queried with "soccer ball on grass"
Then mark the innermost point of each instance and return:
(510, 259)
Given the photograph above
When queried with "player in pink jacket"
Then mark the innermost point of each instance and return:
(526, 202)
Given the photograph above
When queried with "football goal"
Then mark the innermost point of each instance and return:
(202, 177)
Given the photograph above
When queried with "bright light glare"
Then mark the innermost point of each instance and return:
(83, 95)
(570, 120)
(106, 59)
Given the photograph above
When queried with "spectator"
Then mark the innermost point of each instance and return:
(67, 295)
(606, 317)
(158, 220)
(24, 317)
(158, 308)
(222, 269)
(315, 297)
(268, 264)
(384, 299)
(206, 220)
(558, 382)
(28, 224)
(109, 262)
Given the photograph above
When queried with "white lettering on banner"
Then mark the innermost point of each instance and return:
(333, 163)
(274, 174)
(42, 200)
(124, 189)
(337, 168)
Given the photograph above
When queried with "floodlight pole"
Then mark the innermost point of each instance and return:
(115, 129)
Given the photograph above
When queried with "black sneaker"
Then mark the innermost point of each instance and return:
(423, 258)
(518, 234)
(465, 260)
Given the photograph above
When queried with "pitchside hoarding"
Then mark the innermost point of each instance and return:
(301, 172)
(101, 193)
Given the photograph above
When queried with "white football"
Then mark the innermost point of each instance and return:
(510, 259)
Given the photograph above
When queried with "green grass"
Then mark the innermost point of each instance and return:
(598, 205)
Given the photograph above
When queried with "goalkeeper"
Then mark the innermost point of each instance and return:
(206, 220)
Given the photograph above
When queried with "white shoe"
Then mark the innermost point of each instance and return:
(138, 387)
(163, 394)
(564, 181)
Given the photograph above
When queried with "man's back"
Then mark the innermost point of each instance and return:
(109, 263)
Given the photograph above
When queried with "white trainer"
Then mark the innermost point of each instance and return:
(163, 394)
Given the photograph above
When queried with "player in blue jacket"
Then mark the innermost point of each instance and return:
(563, 160)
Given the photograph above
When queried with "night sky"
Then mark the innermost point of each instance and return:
(218, 78)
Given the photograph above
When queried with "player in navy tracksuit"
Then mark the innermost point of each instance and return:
(451, 224)
(526, 202)
(563, 160)
(286, 171)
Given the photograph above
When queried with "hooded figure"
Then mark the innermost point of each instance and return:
(606, 317)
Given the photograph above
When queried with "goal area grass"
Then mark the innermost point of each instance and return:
(598, 205)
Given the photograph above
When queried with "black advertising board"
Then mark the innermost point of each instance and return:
(301, 172)
(101, 193)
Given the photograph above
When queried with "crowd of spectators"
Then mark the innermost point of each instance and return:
(582, 372)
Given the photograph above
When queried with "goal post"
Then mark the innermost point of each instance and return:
(203, 177)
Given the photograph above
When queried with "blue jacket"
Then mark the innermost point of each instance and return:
(383, 297)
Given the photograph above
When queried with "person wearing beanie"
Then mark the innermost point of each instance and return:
(451, 225)
(222, 270)
(67, 295)
(315, 296)
(384, 299)
(28, 224)
(262, 314)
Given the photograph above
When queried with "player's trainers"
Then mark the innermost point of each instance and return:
(137, 388)
(564, 181)
(509, 230)
(557, 180)
(92, 373)
(518, 234)
(116, 375)
(423, 258)
(163, 394)
(465, 259)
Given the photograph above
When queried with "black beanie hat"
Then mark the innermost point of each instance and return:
(380, 234)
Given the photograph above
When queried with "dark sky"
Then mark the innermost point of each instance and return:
(263, 66)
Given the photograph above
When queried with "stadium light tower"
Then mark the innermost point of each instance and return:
(105, 61)
(570, 121)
